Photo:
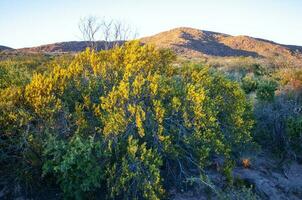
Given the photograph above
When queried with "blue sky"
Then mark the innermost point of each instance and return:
(26, 23)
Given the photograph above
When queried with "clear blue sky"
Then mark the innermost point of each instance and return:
(34, 22)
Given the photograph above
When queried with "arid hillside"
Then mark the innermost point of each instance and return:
(192, 43)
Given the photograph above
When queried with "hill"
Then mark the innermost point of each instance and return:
(192, 43)
(3, 48)
(63, 47)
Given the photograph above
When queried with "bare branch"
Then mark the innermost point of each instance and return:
(112, 32)
(89, 27)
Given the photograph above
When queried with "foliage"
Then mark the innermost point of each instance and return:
(277, 126)
(291, 80)
(18, 70)
(294, 131)
(126, 122)
(75, 163)
(266, 90)
(13, 74)
(137, 174)
(259, 70)
(249, 84)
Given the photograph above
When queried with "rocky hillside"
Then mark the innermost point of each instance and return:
(192, 43)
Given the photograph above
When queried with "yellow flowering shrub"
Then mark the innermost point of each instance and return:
(139, 119)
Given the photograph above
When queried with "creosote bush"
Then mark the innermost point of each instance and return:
(125, 122)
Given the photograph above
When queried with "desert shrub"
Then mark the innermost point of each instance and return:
(291, 81)
(128, 123)
(13, 74)
(277, 113)
(249, 84)
(294, 132)
(259, 70)
(266, 90)
(18, 70)
(277, 123)
(290, 77)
